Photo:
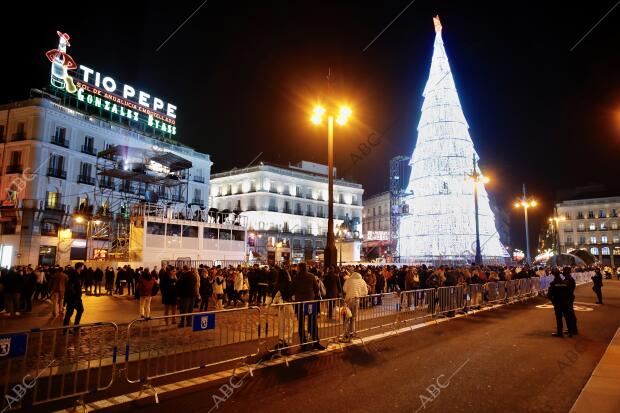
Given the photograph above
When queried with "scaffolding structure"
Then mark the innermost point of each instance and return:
(126, 177)
(398, 207)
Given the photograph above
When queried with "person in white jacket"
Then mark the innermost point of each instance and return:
(354, 288)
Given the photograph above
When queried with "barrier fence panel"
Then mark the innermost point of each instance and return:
(162, 346)
(416, 304)
(377, 311)
(475, 295)
(450, 299)
(290, 325)
(43, 365)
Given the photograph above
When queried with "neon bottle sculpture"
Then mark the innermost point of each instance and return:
(440, 227)
(61, 63)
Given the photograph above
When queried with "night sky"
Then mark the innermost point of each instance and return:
(244, 76)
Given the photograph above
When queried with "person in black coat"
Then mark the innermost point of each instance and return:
(597, 287)
(559, 294)
(333, 289)
(73, 295)
(571, 321)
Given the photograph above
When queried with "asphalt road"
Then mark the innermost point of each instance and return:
(496, 361)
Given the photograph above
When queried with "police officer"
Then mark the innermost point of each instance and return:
(559, 295)
(571, 320)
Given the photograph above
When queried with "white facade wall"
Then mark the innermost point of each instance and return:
(40, 119)
(286, 202)
(593, 225)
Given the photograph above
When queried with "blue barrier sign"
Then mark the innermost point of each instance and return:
(311, 308)
(13, 345)
(204, 322)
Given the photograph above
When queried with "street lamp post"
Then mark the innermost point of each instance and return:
(330, 257)
(477, 178)
(526, 203)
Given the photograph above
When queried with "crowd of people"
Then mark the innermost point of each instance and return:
(184, 290)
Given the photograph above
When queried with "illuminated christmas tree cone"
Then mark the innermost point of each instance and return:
(440, 226)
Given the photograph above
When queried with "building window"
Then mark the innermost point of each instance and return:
(601, 213)
(197, 196)
(379, 210)
(614, 225)
(615, 239)
(603, 226)
(604, 239)
(593, 239)
(579, 215)
(581, 227)
(20, 132)
(605, 250)
(594, 251)
(582, 239)
(592, 226)
(89, 145)
(614, 213)
(590, 214)
(569, 240)
(566, 215)
(374, 212)
(51, 200)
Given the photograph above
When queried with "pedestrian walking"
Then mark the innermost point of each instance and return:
(597, 285)
(73, 295)
(58, 285)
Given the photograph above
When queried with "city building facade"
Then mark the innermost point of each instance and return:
(590, 224)
(376, 226)
(49, 174)
(286, 208)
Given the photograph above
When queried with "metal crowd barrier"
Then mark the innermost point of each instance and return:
(166, 345)
(416, 305)
(290, 325)
(43, 365)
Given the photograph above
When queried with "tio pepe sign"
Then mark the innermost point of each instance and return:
(106, 94)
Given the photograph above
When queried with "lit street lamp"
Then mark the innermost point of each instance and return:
(341, 116)
(477, 179)
(526, 203)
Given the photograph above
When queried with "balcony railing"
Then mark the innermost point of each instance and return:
(287, 210)
(57, 173)
(14, 169)
(200, 179)
(18, 136)
(55, 206)
(89, 149)
(60, 141)
(198, 201)
(106, 183)
(85, 179)
(299, 212)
